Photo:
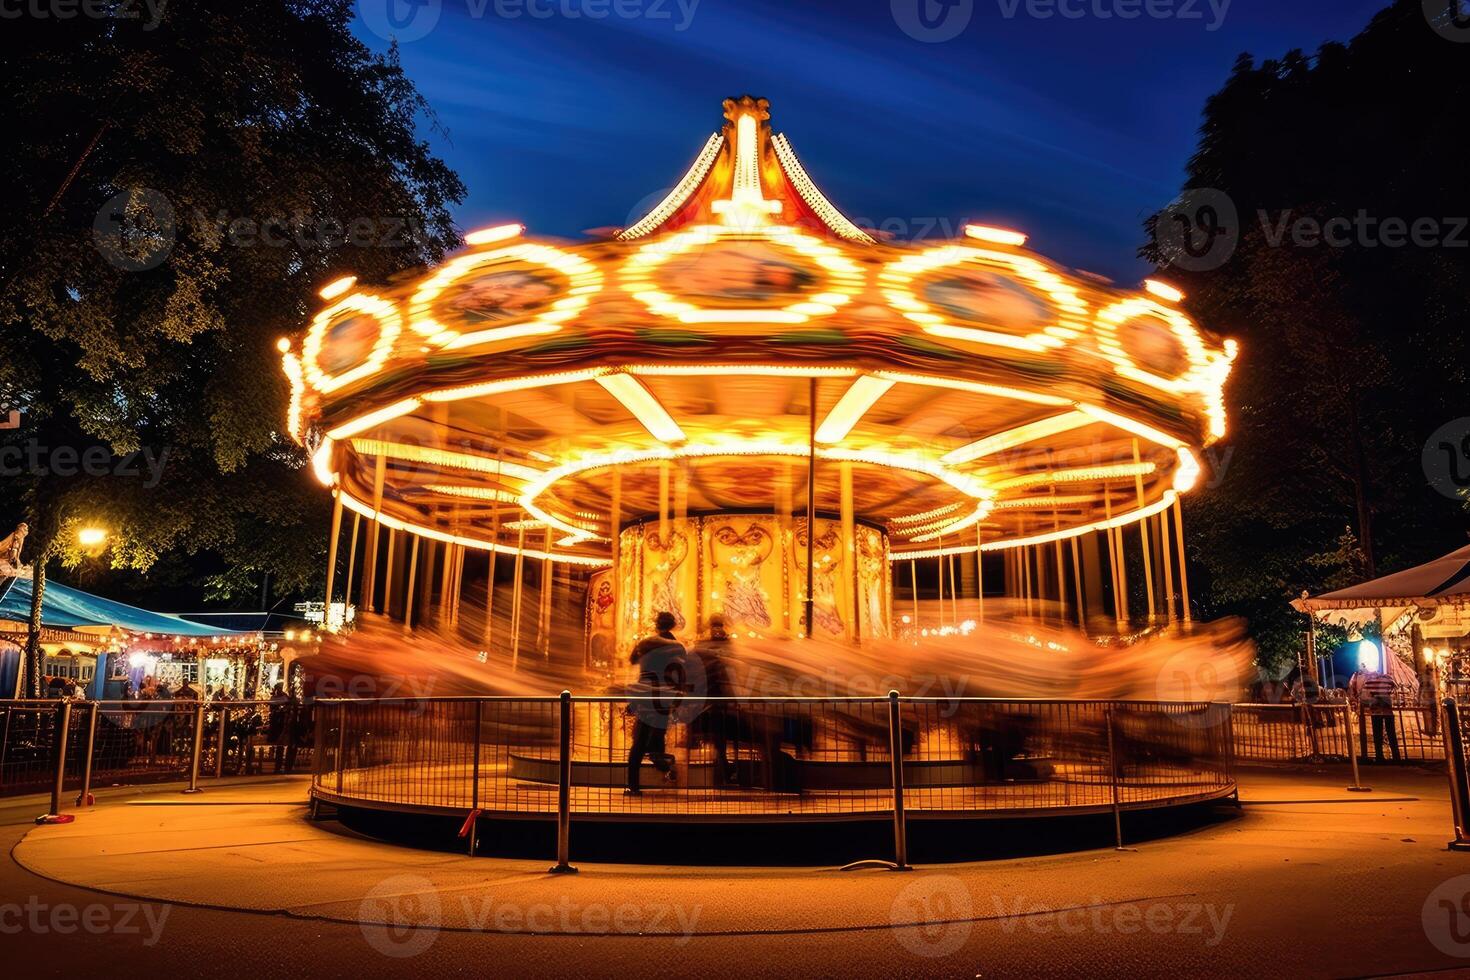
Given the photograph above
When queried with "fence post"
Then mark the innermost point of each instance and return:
(1113, 781)
(564, 790)
(63, 727)
(198, 746)
(475, 778)
(895, 752)
(339, 762)
(5, 743)
(1357, 786)
(84, 798)
(1454, 763)
(221, 741)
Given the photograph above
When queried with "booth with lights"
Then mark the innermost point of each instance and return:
(743, 404)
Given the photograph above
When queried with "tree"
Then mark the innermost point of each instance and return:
(1352, 323)
(177, 191)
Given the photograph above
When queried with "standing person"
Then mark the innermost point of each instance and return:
(660, 660)
(709, 675)
(1373, 691)
(278, 731)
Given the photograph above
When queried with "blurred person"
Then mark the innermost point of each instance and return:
(1373, 690)
(709, 676)
(661, 662)
(277, 731)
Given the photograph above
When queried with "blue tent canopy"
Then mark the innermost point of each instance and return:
(63, 607)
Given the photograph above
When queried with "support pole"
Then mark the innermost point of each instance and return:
(1166, 549)
(370, 563)
(543, 617)
(1077, 585)
(516, 597)
(809, 606)
(388, 575)
(1148, 564)
(413, 573)
(895, 753)
(980, 574)
(220, 740)
(1454, 755)
(1357, 786)
(84, 798)
(564, 790)
(1113, 780)
(474, 823)
(914, 591)
(331, 561)
(615, 529)
(351, 563)
(198, 747)
(59, 740)
(849, 549)
(1185, 613)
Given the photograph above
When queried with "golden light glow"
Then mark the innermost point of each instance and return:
(91, 537)
(1019, 436)
(474, 493)
(1078, 474)
(999, 236)
(746, 209)
(445, 458)
(291, 364)
(1063, 300)
(582, 278)
(374, 419)
(389, 325)
(845, 278)
(338, 287)
(1163, 290)
(1129, 425)
(851, 407)
(1188, 472)
(645, 408)
(488, 236)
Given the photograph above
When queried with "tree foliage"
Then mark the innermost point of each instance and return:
(1353, 332)
(176, 193)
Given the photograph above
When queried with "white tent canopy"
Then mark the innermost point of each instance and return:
(1442, 582)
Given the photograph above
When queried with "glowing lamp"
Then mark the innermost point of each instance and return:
(1163, 290)
(336, 288)
(91, 537)
(1001, 236)
(1370, 656)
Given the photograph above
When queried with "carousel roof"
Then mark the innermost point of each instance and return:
(972, 386)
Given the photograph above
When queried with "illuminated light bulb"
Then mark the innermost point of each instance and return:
(499, 233)
(284, 345)
(91, 537)
(1163, 290)
(338, 287)
(1001, 236)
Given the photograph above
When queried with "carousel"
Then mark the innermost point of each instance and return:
(743, 404)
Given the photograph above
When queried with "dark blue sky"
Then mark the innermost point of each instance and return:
(1071, 129)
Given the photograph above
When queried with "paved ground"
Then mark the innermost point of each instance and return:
(1307, 881)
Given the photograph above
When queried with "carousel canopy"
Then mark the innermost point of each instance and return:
(67, 608)
(1444, 581)
(537, 393)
